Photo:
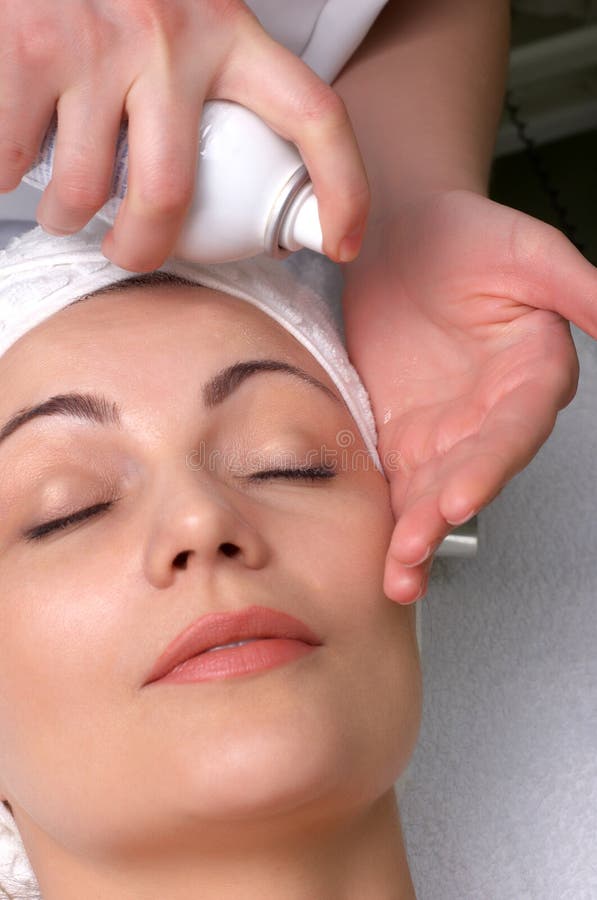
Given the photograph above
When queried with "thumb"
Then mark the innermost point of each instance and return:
(555, 275)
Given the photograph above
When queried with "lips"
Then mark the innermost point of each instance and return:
(217, 629)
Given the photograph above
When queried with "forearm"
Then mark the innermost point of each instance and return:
(424, 92)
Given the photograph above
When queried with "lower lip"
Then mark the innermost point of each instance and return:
(231, 662)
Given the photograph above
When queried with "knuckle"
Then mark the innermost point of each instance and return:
(144, 13)
(225, 11)
(165, 197)
(79, 194)
(158, 18)
(552, 239)
(322, 103)
(532, 239)
(357, 196)
(15, 159)
(170, 27)
(351, 205)
(39, 43)
(95, 43)
(51, 43)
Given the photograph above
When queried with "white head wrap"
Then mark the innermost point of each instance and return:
(41, 274)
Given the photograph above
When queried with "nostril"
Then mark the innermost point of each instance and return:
(180, 560)
(229, 549)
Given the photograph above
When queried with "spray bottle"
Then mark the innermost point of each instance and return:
(252, 192)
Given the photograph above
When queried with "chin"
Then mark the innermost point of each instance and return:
(269, 769)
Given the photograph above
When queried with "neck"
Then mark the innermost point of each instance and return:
(364, 856)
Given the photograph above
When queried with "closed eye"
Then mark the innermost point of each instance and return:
(303, 473)
(40, 531)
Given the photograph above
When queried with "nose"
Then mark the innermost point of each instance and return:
(199, 524)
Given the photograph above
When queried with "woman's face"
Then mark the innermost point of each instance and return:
(90, 757)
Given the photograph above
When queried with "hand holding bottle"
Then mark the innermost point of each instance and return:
(155, 63)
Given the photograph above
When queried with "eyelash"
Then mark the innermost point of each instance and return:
(308, 473)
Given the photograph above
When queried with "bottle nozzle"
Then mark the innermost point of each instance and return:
(301, 226)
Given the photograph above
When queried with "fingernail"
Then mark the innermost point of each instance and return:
(350, 245)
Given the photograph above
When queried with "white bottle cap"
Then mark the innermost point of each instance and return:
(301, 226)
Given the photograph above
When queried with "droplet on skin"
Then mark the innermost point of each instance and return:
(387, 416)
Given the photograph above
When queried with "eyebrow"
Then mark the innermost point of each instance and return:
(98, 409)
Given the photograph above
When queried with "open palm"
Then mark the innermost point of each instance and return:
(456, 317)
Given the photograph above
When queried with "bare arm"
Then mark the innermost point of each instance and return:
(424, 92)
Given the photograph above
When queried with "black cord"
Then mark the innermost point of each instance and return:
(540, 170)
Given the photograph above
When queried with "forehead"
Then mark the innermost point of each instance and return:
(151, 308)
(165, 310)
(161, 329)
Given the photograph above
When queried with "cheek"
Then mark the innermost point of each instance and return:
(336, 554)
(373, 670)
(55, 666)
(350, 543)
(58, 615)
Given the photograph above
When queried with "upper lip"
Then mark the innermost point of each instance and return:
(226, 628)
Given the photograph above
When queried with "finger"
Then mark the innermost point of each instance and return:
(88, 127)
(298, 105)
(419, 530)
(474, 471)
(511, 435)
(25, 116)
(405, 585)
(415, 486)
(547, 270)
(163, 138)
(571, 285)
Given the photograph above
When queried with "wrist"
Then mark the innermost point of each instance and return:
(386, 221)
(414, 187)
